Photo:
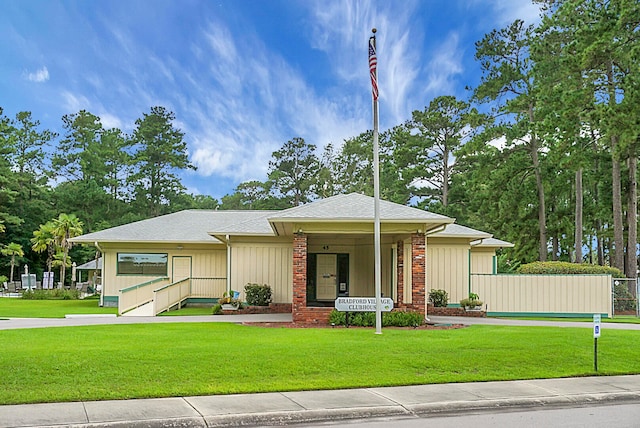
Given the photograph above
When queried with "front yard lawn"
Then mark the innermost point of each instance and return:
(174, 359)
(19, 308)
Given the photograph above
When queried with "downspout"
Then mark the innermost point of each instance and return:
(101, 272)
(228, 264)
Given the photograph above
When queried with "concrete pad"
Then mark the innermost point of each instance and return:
(90, 316)
(512, 389)
(33, 415)
(338, 399)
(570, 386)
(421, 394)
(242, 404)
(139, 410)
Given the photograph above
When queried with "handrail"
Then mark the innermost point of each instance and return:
(144, 284)
(165, 297)
(169, 285)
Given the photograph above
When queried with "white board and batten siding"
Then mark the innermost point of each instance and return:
(544, 294)
(270, 264)
(448, 269)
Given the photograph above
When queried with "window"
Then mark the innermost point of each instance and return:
(142, 264)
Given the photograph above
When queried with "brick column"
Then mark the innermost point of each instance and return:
(400, 273)
(418, 272)
(299, 277)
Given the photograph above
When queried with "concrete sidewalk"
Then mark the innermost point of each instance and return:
(317, 406)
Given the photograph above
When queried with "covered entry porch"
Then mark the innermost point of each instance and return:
(328, 266)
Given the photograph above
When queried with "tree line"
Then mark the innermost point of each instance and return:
(543, 152)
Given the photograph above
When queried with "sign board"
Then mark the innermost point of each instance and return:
(28, 281)
(596, 326)
(362, 304)
(47, 280)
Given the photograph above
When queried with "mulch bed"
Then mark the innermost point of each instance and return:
(302, 325)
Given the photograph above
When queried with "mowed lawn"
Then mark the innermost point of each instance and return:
(18, 308)
(173, 359)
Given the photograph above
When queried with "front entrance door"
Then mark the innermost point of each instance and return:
(326, 276)
(181, 268)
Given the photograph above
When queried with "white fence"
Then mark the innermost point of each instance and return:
(544, 294)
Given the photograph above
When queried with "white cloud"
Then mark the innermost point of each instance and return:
(110, 121)
(446, 63)
(508, 11)
(39, 76)
(74, 102)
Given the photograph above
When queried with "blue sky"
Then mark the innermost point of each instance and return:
(242, 76)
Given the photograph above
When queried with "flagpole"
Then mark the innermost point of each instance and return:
(376, 182)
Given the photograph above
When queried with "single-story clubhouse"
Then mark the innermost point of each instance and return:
(309, 255)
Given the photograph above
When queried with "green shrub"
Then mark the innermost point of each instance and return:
(217, 309)
(55, 294)
(257, 294)
(3, 279)
(368, 319)
(439, 298)
(623, 300)
(566, 268)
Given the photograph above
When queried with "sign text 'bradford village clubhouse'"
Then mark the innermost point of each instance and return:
(362, 304)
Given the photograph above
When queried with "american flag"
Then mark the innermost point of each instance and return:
(373, 67)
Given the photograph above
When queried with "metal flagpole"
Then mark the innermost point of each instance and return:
(373, 71)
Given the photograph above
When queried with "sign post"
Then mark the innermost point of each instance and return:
(596, 335)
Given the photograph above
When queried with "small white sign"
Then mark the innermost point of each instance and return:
(362, 304)
(596, 325)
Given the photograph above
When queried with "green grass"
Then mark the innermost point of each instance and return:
(18, 308)
(153, 360)
(623, 319)
(189, 310)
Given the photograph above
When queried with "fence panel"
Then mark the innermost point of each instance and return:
(544, 294)
(625, 296)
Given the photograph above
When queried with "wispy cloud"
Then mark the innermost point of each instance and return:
(39, 76)
(445, 64)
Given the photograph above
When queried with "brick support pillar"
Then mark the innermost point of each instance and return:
(418, 272)
(299, 277)
(400, 274)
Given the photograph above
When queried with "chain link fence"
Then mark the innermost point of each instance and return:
(625, 296)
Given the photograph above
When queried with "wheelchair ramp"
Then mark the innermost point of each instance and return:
(145, 310)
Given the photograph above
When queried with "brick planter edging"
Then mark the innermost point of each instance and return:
(273, 308)
(454, 312)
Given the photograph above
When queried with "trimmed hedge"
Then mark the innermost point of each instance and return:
(368, 319)
(439, 298)
(55, 294)
(566, 268)
(257, 294)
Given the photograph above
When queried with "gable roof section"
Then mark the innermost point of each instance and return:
(189, 226)
(356, 207)
(494, 243)
(458, 231)
(355, 212)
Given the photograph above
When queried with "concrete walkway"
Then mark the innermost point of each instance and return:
(515, 322)
(317, 406)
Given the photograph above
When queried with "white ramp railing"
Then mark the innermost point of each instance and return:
(138, 295)
(170, 295)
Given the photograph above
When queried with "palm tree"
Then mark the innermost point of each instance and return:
(44, 240)
(12, 249)
(66, 226)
